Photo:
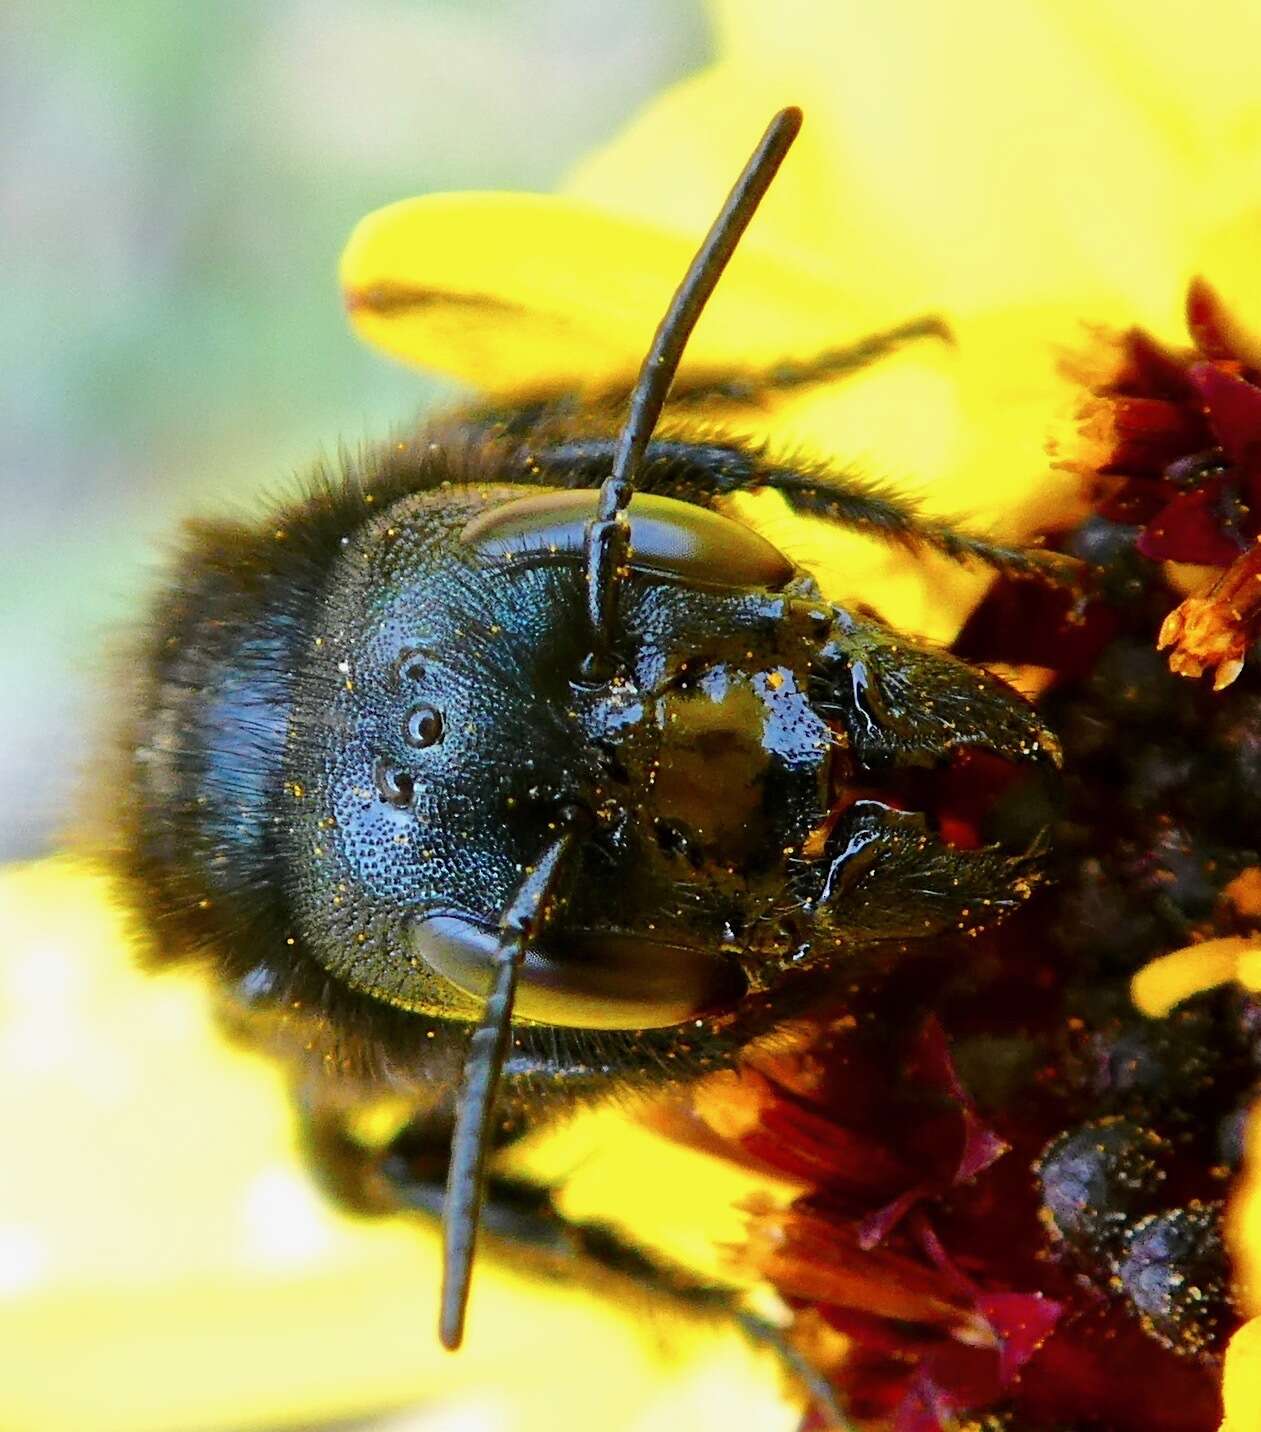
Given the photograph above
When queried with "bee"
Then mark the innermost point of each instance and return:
(507, 772)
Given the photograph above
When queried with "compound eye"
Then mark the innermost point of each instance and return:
(394, 785)
(667, 537)
(586, 979)
(423, 727)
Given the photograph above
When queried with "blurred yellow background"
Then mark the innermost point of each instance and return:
(167, 1265)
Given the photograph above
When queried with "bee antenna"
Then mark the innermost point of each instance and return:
(525, 915)
(608, 533)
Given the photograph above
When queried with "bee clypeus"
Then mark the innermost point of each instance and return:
(506, 772)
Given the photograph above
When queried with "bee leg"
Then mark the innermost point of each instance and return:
(408, 1170)
(555, 413)
(865, 505)
(750, 388)
(704, 472)
(523, 1228)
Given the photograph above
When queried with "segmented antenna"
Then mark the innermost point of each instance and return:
(607, 538)
(608, 533)
(524, 917)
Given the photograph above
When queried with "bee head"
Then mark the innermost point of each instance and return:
(444, 722)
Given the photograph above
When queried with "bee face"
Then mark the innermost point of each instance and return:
(439, 724)
(351, 743)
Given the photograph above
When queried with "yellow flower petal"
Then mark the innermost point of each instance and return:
(1228, 258)
(937, 164)
(520, 292)
(166, 1262)
(1241, 1384)
(1092, 170)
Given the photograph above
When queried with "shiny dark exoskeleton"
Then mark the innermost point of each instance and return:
(440, 699)
(371, 727)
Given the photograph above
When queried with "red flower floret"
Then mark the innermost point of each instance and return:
(1012, 1181)
(1173, 444)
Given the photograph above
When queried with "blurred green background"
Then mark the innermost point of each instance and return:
(176, 183)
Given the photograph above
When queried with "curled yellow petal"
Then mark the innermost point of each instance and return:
(1164, 983)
